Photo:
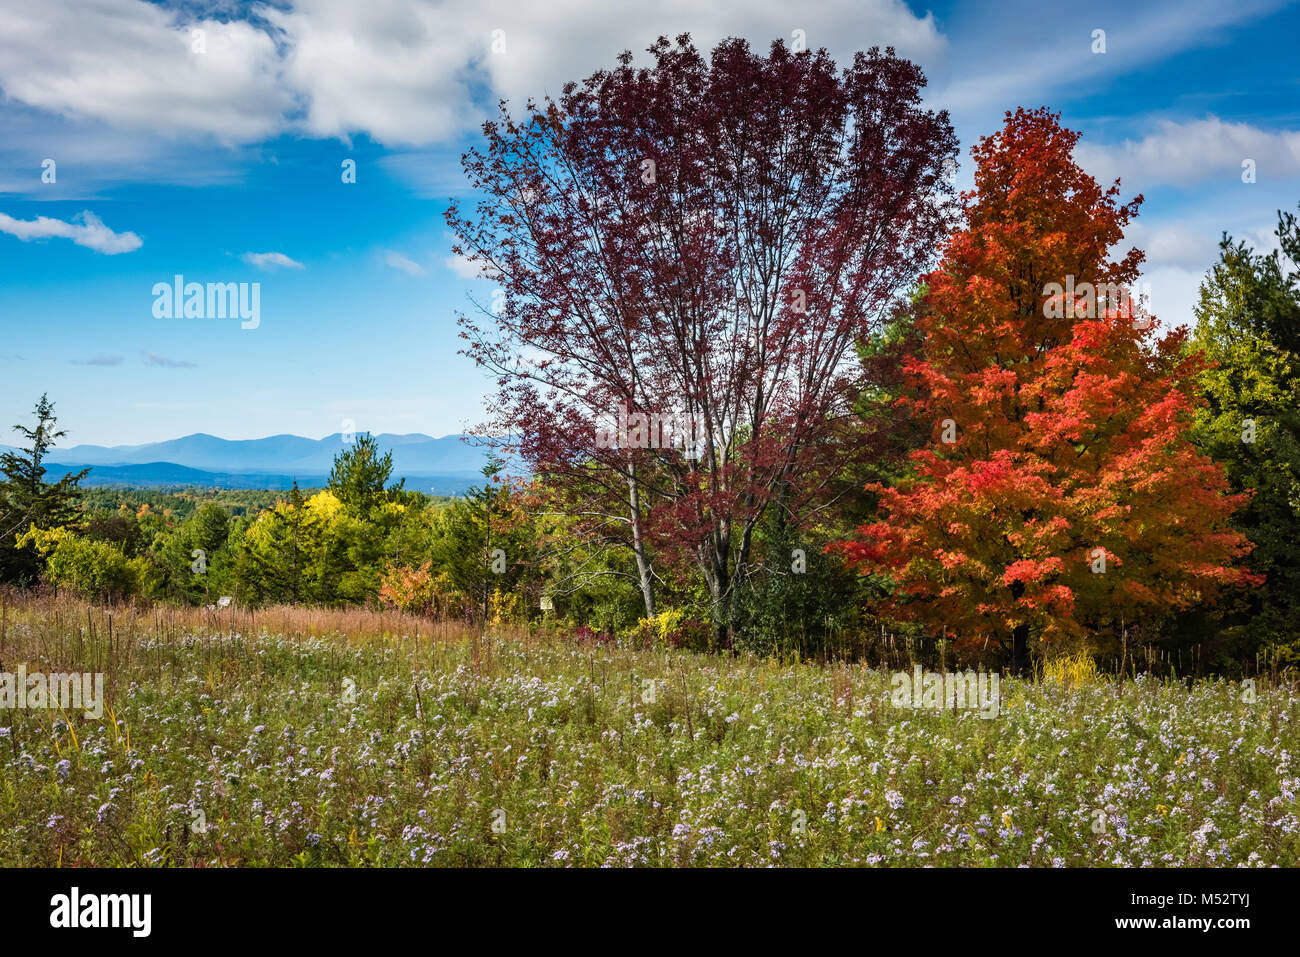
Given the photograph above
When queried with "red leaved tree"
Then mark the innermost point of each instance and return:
(705, 241)
(1060, 493)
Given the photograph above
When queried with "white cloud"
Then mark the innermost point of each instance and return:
(132, 65)
(86, 229)
(92, 157)
(550, 43)
(398, 261)
(1263, 238)
(462, 267)
(1178, 255)
(1173, 292)
(1179, 252)
(1184, 244)
(390, 68)
(271, 261)
(1191, 152)
(405, 72)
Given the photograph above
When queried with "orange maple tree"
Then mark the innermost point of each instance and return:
(1060, 494)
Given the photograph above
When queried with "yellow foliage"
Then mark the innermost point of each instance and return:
(1077, 668)
(662, 626)
(505, 607)
(44, 540)
(324, 505)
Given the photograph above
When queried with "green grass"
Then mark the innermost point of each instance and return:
(259, 733)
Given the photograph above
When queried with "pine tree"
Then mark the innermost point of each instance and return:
(27, 500)
(1248, 327)
(360, 474)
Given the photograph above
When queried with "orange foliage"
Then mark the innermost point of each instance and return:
(1071, 496)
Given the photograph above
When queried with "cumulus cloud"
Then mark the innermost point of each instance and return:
(134, 66)
(389, 68)
(1182, 154)
(153, 359)
(398, 261)
(271, 261)
(1186, 244)
(85, 229)
(408, 73)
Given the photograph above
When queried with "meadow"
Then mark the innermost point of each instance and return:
(291, 737)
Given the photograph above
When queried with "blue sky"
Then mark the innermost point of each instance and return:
(174, 161)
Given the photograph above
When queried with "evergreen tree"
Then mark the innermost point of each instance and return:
(360, 474)
(1248, 327)
(26, 499)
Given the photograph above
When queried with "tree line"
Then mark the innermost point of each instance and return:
(915, 416)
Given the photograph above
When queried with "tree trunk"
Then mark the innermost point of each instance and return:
(717, 573)
(1019, 639)
(645, 573)
(1020, 651)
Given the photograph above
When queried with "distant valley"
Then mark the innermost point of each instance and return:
(446, 466)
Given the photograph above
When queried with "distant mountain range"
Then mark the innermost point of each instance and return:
(447, 466)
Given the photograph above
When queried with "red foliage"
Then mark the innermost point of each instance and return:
(1071, 430)
(710, 237)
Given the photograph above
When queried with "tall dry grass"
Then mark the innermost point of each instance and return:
(34, 614)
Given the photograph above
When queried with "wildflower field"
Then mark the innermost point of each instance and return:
(291, 738)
